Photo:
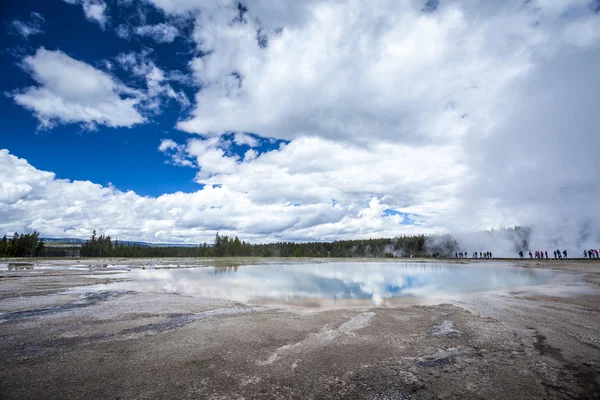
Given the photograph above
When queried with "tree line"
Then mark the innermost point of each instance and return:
(23, 245)
(225, 246)
(30, 245)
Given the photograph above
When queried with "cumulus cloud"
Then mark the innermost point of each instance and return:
(317, 171)
(348, 68)
(487, 90)
(28, 28)
(245, 139)
(71, 91)
(26, 195)
(161, 33)
(94, 10)
(157, 81)
(97, 98)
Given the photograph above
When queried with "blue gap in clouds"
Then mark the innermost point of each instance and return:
(406, 220)
(265, 145)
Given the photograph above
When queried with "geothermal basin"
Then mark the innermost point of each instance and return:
(299, 329)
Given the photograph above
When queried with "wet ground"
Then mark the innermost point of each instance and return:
(57, 340)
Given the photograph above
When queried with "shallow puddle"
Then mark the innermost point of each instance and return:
(371, 283)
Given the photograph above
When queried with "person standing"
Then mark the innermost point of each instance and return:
(565, 254)
(585, 253)
(546, 255)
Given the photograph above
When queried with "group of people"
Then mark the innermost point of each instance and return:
(539, 254)
(544, 254)
(485, 254)
(591, 253)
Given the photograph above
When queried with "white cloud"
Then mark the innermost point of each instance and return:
(70, 91)
(461, 85)
(161, 33)
(181, 6)
(385, 69)
(158, 88)
(584, 32)
(28, 28)
(78, 207)
(356, 184)
(94, 10)
(98, 98)
(250, 155)
(245, 139)
(167, 144)
(176, 152)
(123, 31)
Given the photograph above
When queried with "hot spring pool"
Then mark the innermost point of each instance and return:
(374, 282)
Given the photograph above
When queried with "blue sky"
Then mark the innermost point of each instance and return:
(125, 157)
(170, 120)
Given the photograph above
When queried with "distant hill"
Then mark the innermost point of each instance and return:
(76, 241)
(64, 240)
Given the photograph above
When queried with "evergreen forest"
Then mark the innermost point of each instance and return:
(31, 245)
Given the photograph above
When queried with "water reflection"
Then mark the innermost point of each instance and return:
(372, 281)
(225, 269)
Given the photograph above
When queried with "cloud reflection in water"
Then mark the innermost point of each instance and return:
(375, 281)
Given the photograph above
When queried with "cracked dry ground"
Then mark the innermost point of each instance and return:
(132, 346)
